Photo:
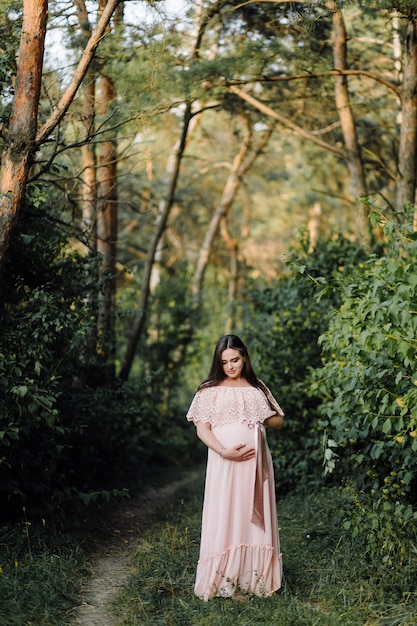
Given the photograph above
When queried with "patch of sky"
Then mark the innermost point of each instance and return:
(138, 14)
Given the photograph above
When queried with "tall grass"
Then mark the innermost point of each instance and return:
(41, 569)
(328, 580)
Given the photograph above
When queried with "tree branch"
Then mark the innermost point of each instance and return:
(309, 75)
(81, 70)
(266, 110)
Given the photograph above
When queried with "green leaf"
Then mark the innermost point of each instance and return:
(386, 427)
(21, 391)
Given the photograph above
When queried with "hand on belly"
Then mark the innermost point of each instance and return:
(238, 452)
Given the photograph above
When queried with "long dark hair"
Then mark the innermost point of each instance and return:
(217, 374)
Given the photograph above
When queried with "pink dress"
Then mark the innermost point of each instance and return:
(239, 548)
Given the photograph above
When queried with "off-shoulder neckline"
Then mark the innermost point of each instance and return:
(232, 387)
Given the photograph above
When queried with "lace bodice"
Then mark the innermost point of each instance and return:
(228, 405)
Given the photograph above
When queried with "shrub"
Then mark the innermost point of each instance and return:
(44, 322)
(47, 319)
(368, 387)
(68, 433)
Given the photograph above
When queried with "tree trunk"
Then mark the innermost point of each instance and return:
(107, 230)
(89, 165)
(107, 201)
(406, 185)
(229, 193)
(22, 135)
(88, 194)
(313, 225)
(88, 154)
(238, 169)
(20, 145)
(169, 171)
(164, 210)
(231, 294)
(347, 121)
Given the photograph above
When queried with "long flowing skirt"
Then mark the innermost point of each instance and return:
(235, 553)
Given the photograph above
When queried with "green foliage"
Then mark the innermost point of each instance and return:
(113, 430)
(288, 319)
(68, 435)
(44, 322)
(49, 457)
(170, 328)
(405, 7)
(10, 25)
(368, 385)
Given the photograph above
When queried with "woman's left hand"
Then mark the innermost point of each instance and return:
(239, 452)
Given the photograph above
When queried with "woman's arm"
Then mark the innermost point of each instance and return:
(238, 452)
(275, 421)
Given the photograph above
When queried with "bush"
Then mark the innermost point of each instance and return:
(68, 432)
(368, 386)
(47, 319)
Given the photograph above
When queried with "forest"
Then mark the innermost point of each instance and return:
(174, 171)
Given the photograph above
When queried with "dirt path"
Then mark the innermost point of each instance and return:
(112, 560)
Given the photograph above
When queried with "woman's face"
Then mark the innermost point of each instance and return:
(232, 362)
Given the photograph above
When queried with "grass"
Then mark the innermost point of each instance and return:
(40, 574)
(328, 580)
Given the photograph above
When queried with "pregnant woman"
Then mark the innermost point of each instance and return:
(239, 550)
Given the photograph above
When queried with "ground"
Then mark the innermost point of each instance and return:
(111, 559)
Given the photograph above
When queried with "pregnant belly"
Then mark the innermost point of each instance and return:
(231, 434)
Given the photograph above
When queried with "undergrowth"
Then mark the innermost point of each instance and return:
(328, 579)
(41, 569)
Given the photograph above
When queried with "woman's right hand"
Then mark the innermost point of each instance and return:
(238, 452)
